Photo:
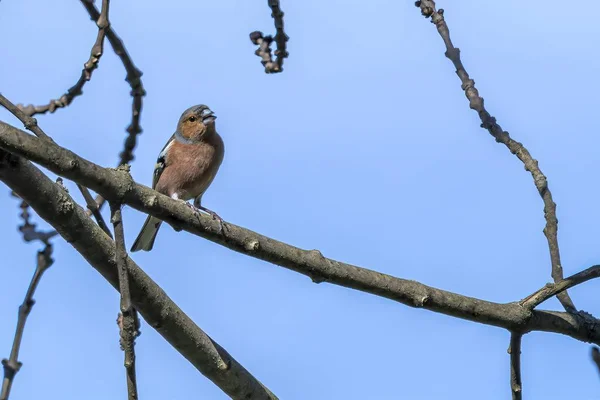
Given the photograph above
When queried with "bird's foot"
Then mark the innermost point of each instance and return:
(197, 208)
(215, 216)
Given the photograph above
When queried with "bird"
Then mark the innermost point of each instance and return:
(185, 167)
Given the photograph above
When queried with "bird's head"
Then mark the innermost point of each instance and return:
(196, 122)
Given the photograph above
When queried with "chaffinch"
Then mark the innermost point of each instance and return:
(186, 166)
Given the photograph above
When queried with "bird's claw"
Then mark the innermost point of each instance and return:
(213, 214)
(216, 217)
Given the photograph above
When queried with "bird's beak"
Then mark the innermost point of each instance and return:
(209, 117)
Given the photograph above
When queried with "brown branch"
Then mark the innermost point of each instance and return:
(28, 229)
(56, 207)
(12, 364)
(118, 186)
(515, 365)
(488, 122)
(29, 122)
(86, 73)
(552, 289)
(133, 77)
(264, 42)
(94, 209)
(127, 320)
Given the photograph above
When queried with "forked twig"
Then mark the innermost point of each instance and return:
(86, 73)
(264, 42)
(488, 122)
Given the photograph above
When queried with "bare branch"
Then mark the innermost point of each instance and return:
(488, 122)
(28, 229)
(127, 321)
(117, 186)
(133, 77)
(552, 289)
(86, 73)
(74, 225)
(264, 42)
(94, 209)
(29, 122)
(515, 365)
(12, 364)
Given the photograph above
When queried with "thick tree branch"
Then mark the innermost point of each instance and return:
(56, 207)
(127, 320)
(86, 73)
(515, 365)
(118, 186)
(488, 122)
(264, 42)
(12, 364)
(29, 232)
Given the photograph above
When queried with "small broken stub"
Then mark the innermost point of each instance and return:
(251, 245)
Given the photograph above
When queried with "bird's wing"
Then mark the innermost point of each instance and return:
(161, 161)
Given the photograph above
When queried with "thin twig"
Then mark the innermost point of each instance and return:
(515, 365)
(596, 357)
(30, 123)
(28, 229)
(94, 209)
(12, 364)
(128, 321)
(488, 122)
(552, 289)
(86, 74)
(264, 42)
(133, 77)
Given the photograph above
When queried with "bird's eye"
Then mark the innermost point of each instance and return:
(192, 119)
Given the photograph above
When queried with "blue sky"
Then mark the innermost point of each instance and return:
(364, 148)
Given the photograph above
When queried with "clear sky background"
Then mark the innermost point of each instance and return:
(364, 148)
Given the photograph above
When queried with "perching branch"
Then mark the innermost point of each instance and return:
(160, 312)
(127, 321)
(488, 122)
(264, 42)
(12, 364)
(86, 73)
(515, 365)
(120, 187)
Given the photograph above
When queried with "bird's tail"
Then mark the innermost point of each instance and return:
(145, 239)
